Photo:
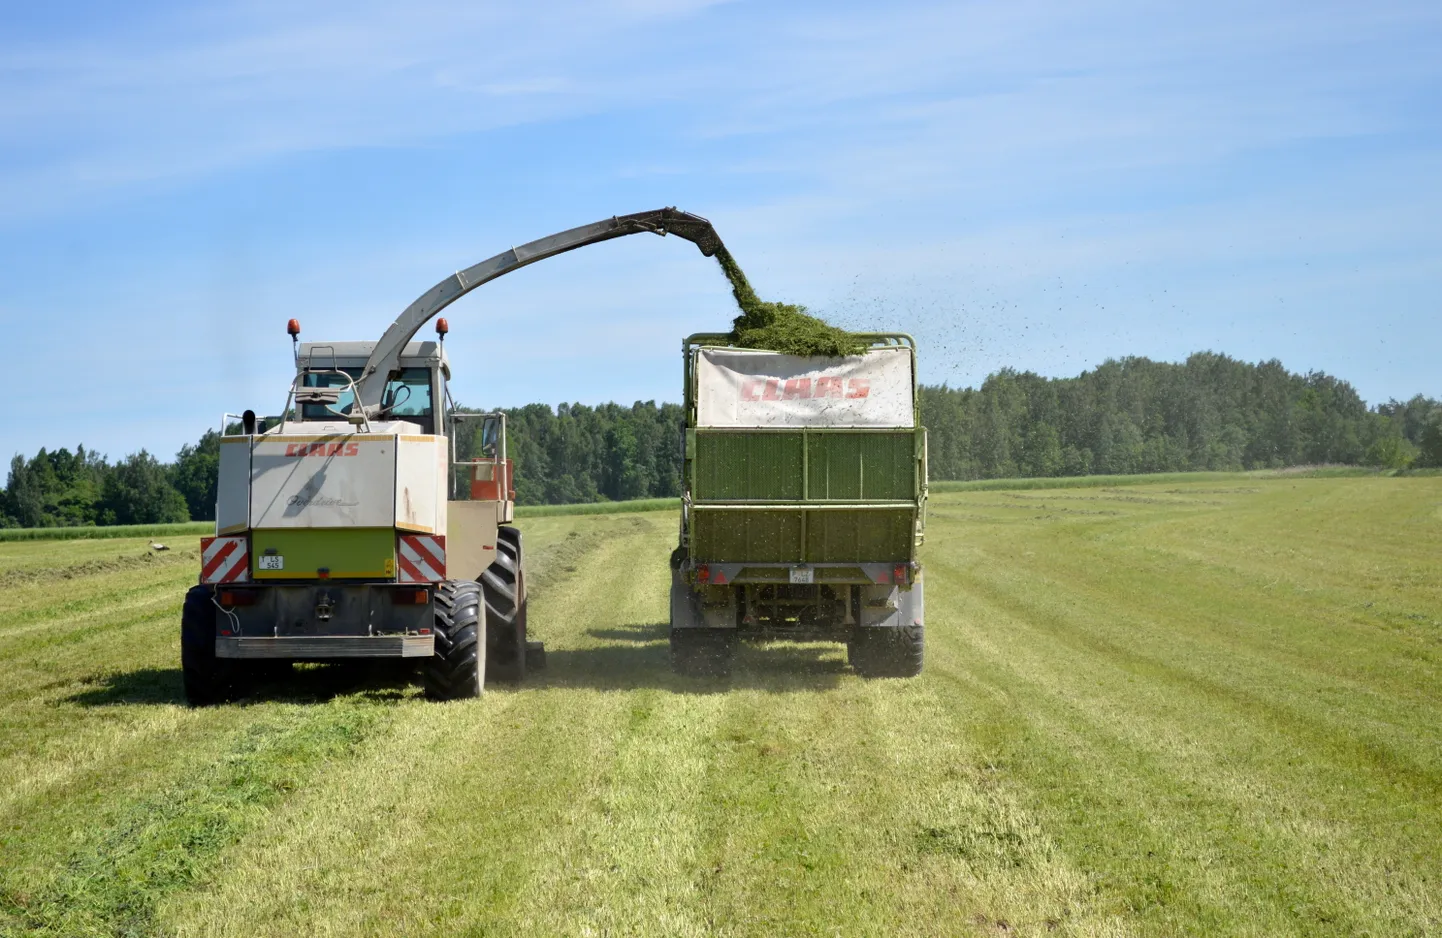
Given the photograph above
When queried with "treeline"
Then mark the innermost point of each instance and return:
(586, 454)
(1134, 415)
(1127, 416)
(63, 489)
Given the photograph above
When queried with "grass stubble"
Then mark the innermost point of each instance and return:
(1182, 708)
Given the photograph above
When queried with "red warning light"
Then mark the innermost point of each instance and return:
(293, 327)
(442, 327)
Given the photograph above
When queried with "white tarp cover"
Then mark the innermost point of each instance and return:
(747, 388)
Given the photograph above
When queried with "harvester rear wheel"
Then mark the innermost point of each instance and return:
(503, 586)
(457, 668)
(207, 679)
(702, 652)
(896, 651)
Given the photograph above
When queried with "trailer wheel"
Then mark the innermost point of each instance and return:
(895, 651)
(702, 652)
(208, 679)
(457, 668)
(503, 586)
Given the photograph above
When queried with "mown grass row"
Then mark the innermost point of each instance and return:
(107, 532)
(1185, 708)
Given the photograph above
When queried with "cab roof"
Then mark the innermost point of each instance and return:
(356, 354)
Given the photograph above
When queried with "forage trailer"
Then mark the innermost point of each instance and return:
(803, 505)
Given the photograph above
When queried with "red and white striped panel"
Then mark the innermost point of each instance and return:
(422, 558)
(224, 559)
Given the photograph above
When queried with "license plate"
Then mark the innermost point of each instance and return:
(801, 575)
(271, 562)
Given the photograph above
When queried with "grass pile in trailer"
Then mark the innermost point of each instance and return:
(781, 327)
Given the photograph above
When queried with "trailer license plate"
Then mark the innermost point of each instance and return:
(271, 562)
(801, 575)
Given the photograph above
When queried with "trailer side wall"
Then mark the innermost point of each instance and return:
(810, 480)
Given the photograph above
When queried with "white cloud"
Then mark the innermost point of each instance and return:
(920, 88)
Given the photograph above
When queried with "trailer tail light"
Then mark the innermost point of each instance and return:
(410, 597)
(703, 573)
(899, 573)
(236, 597)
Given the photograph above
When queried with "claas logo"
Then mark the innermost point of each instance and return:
(804, 389)
(322, 449)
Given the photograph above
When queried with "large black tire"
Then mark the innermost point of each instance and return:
(888, 651)
(702, 652)
(503, 586)
(208, 679)
(457, 668)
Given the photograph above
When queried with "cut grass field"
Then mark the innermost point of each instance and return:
(1185, 707)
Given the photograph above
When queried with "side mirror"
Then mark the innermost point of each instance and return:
(490, 437)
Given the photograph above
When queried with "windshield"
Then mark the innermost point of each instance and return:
(409, 395)
(406, 396)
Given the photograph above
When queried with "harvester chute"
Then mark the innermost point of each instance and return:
(661, 221)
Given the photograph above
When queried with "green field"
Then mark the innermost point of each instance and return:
(1182, 707)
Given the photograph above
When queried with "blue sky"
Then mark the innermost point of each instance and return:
(1036, 185)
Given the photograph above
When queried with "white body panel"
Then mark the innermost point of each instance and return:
(421, 484)
(232, 494)
(340, 480)
(750, 388)
(470, 538)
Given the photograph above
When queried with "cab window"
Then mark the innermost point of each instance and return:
(406, 397)
(409, 395)
(329, 379)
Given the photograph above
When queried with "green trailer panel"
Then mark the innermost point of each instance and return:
(861, 466)
(877, 534)
(750, 536)
(814, 465)
(748, 466)
(776, 534)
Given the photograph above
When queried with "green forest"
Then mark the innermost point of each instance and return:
(1130, 415)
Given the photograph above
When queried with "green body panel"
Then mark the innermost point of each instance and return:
(800, 482)
(348, 553)
(879, 466)
(777, 534)
(747, 466)
(812, 465)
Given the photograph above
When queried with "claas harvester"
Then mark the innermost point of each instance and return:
(371, 520)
